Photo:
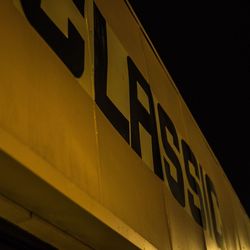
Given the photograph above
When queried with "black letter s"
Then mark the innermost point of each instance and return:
(197, 213)
(176, 186)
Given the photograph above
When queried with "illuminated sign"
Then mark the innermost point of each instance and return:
(170, 157)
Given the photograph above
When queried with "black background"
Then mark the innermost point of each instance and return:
(206, 49)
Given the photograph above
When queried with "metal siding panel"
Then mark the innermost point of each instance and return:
(45, 107)
(130, 190)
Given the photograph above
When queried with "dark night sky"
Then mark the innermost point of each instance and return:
(206, 48)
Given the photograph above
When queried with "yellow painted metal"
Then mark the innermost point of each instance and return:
(45, 107)
(129, 188)
(64, 162)
(34, 184)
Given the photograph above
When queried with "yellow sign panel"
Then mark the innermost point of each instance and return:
(84, 90)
